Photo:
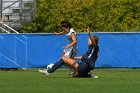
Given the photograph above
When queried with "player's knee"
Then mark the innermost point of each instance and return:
(63, 57)
(75, 64)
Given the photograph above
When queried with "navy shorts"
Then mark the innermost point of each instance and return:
(83, 68)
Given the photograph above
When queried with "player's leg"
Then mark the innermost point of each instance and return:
(70, 53)
(72, 63)
(67, 53)
(57, 65)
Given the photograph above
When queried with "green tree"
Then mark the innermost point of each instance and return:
(100, 15)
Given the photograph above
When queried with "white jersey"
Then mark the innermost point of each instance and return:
(73, 49)
(68, 35)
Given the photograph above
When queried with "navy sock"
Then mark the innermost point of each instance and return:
(56, 65)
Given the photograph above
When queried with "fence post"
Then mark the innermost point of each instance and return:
(0, 9)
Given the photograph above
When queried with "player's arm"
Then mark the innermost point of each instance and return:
(92, 40)
(74, 41)
(60, 33)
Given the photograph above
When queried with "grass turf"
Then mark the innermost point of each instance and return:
(122, 80)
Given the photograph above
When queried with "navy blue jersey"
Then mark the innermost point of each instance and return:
(91, 55)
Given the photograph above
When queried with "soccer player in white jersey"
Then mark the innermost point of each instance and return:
(70, 49)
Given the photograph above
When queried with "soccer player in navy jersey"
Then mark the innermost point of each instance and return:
(87, 60)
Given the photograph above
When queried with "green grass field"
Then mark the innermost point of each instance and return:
(111, 80)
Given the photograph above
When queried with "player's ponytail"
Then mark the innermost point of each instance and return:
(96, 39)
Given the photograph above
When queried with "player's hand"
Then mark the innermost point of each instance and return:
(88, 30)
(59, 33)
(56, 34)
(65, 47)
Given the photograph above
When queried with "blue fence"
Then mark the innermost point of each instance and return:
(38, 50)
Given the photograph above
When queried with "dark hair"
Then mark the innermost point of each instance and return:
(65, 24)
(96, 39)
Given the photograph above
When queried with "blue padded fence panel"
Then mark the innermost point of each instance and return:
(38, 50)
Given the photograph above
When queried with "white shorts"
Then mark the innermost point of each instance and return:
(70, 52)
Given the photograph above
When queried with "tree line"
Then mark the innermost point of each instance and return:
(99, 15)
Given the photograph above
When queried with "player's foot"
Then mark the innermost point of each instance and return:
(44, 72)
(71, 71)
(93, 75)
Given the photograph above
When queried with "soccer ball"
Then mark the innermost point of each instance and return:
(50, 66)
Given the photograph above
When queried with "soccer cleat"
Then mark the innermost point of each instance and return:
(44, 72)
(93, 75)
(71, 71)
